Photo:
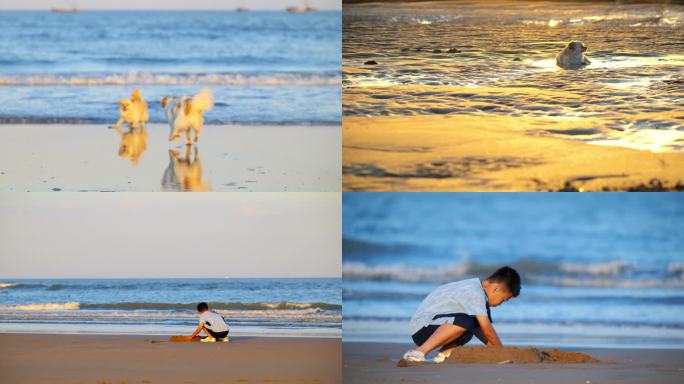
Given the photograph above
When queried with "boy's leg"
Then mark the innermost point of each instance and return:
(445, 334)
(463, 340)
(207, 332)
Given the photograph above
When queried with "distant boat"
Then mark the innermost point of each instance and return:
(66, 10)
(307, 9)
(243, 9)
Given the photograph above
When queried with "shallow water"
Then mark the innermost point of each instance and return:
(498, 58)
(250, 306)
(597, 270)
(263, 67)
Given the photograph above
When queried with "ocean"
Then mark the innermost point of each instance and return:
(598, 270)
(486, 59)
(263, 67)
(262, 307)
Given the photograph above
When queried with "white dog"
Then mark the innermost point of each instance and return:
(133, 111)
(572, 56)
(185, 113)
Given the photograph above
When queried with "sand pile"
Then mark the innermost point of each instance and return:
(514, 355)
(510, 355)
(183, 339)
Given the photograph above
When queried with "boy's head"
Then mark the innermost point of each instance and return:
(502, 285)
(201, 307)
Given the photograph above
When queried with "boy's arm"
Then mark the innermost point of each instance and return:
(486, 333)
(198, 330)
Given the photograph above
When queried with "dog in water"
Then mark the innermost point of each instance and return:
(133, 111)
(185, 114)
(572, 56)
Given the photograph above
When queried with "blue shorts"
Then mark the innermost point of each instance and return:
(468, 322)
(217, 335)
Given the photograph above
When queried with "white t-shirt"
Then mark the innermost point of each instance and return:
(465, 296)
(213, 321)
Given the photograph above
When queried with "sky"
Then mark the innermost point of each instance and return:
(155, 235)
(170, 4)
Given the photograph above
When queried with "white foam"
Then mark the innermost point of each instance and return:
(70, 306)
(7, 285)
(360, 271)
(604, 269)
(606, 282)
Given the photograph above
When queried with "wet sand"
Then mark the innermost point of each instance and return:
(376, 363)
(459, 153)
(228, 158)
(28, 358)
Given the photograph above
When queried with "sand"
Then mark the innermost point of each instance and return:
(376, 363)
(59, 359)
(228, 158)
(512, 355)
(458, 153)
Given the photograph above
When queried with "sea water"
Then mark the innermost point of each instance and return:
(272, 307)
(488, 59)
(263, 67)
(598, 270)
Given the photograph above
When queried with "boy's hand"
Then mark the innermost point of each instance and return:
(488, 333)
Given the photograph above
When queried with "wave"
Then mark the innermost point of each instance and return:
(609, 268)
(7, 285)
(132, 306)
(70, 306)
(611, 274)
(282, 79)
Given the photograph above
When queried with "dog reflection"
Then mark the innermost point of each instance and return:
(133, 143)
(184, 173)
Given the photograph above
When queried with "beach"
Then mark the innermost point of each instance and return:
(460, 153)
(467, 96)
(241, 158)
(376, 363)
(31, 358)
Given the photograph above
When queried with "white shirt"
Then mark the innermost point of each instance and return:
(465, 296)
(213, 321)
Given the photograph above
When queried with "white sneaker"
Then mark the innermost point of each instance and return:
(224, 340)
(208, 339)
(414, 356)
(440, 357)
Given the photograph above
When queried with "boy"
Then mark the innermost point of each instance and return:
(453, 313)
(213, 325)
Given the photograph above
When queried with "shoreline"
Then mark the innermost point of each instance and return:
(171, 333)
(449, 153)
(376, 362)
(143, 358)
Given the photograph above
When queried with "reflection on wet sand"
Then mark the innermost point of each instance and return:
(133, 143)
(184, 173)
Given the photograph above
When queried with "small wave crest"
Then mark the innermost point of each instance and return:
(283, 305)
(283, 79)
(132, 306)
(611, 274)
(7, 285)
(70, 306)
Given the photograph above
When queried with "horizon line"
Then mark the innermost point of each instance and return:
(199, 277)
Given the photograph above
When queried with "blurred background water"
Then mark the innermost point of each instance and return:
(598, 270)
(487, 58)
(263, 67)
(272, 307)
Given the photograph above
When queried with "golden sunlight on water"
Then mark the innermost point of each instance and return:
(456, 58)
(432, 91)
